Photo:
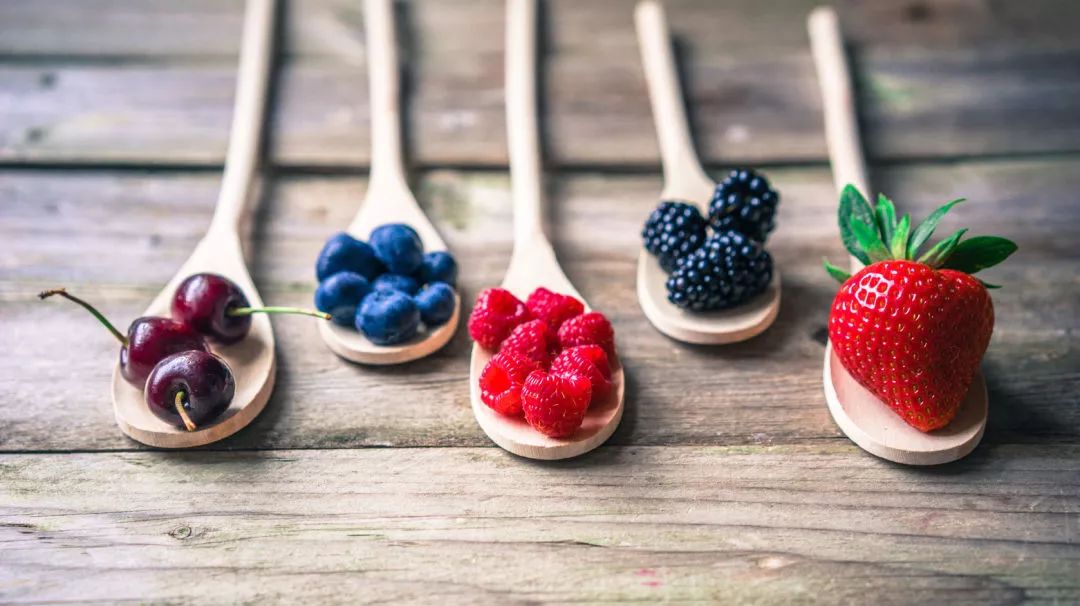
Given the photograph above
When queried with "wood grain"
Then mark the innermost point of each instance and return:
(743, 524)
(117, 237)
(957, 79)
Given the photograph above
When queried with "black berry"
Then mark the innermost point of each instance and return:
(728, 270)
(744, 201)
(673, 231)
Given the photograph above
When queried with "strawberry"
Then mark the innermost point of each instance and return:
(494, 316)
(555, 405)
(912, 329)
(534, 340)
(502, 379)
(589, 361)
(552, 307)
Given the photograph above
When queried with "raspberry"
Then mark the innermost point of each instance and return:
(672, 231)
(552, 307)
(494, 315)
(588, 329)
(501, 381)
(745, 202)
(533, 340)
(589, 361)
(555, 405)
(728, 270)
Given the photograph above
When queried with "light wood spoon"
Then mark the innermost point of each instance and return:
(388, 199)
(685, 180)
(252, 359)
(859, 414)
(533, 263)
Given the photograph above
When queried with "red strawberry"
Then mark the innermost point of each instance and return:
(555, 405)
(589, 361)
(501, 381)
(552, 307)
(533, 340)
(588, 329)
(912, 332)
(494, 315)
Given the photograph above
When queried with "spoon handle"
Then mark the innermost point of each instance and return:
(838, 101)
(683, 176)
(521, 122)
(249, 113)
(387, 168)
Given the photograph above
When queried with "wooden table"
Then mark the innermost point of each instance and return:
(727, 480)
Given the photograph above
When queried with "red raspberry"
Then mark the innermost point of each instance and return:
(552, 307)
(589, 361)
(501, 381)
(555, 405)
(533, 340)
(494, 315)
(588, 329)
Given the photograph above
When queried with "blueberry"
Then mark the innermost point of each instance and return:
(398, 282)
(343, 252)
(398, 247)
(439, 266)
(436, 303)
(340, 294)
(388, 317)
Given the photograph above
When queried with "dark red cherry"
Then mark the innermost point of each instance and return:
(190, 389)
(215, 306)
(149, 340)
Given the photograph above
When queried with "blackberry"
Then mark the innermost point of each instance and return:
(728, 270)
(744, 201)
(673, 231)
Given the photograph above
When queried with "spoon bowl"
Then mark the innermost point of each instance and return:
(388, 198)
(251, 360)
(864, 418)
(533, 263)
(685, 180)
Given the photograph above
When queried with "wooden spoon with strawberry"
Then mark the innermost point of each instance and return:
(907, 331)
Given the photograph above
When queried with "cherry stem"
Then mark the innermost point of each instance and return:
(247, 311)
(88, 307)
(179, 402)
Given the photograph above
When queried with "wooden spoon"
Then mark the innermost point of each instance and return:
(533, 263)
(252, 359)
(861, 415)
(388, 199)
(685, 180)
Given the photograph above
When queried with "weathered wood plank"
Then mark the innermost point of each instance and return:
(746, 525)
(118, 236)
(989, 87)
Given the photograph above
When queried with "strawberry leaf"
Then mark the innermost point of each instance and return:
(926, 229)
(978, 253)
(840, 275)
(988, 286)
(869, 241)
(942, 250)
(886, 217)
(900, 238)
(853, 206)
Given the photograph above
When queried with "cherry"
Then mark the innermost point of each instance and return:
(149, 340)
(214, 306)
(190, 389)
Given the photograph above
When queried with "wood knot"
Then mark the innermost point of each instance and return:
(180, 533)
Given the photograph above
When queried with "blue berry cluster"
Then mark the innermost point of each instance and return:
(728, 267)
(386, 287)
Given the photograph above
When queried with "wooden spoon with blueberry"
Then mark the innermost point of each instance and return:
(693, 285)
(545, 381)
(208, 370)
(391, 301)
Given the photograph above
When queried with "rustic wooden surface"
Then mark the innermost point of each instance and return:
(727, 480)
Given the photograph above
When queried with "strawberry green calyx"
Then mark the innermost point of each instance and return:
(872, 234)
